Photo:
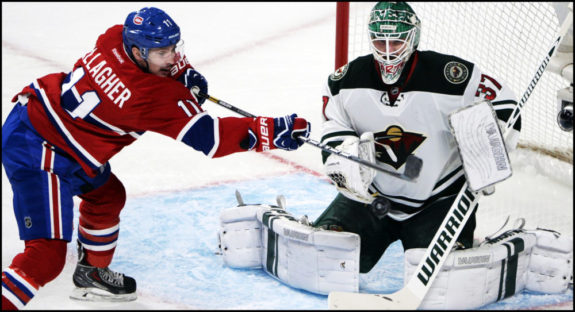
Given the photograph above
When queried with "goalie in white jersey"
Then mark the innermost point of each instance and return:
(404, 97)
(389, 107)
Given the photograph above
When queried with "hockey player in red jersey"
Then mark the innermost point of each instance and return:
(64, 128)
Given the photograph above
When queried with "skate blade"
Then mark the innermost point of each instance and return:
(99, 295)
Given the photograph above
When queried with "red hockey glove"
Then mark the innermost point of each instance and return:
(267, 133)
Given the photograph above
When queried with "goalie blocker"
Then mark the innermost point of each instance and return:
(481, 146)
(320, 261)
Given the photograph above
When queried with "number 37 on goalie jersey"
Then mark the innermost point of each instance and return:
(486, 88)
(502, 99)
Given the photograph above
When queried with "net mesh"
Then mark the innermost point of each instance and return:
(505, 39)
(508, 40)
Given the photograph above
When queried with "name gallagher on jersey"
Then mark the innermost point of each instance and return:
(440, 245)
(108, 81)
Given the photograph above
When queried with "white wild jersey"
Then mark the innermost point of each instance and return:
(411, 117)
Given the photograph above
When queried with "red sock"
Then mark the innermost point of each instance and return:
(41, 262)
(7, 305)
(42, 259)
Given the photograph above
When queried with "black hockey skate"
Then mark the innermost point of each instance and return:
(97, 284)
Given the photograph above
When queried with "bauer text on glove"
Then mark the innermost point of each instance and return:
(267, 133)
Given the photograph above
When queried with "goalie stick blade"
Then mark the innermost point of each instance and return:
(403, 299)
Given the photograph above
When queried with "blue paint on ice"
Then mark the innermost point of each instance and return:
(168, 243)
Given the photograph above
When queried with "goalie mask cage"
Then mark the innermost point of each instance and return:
(508, 40)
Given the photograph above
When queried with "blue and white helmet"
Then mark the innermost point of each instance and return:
(149, 28)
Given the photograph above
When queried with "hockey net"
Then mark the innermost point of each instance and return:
(508, 40)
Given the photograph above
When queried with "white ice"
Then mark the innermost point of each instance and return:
(266, 58)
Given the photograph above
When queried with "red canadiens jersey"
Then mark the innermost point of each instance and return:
(107, 102)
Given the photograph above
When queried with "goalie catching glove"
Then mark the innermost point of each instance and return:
(351, 178)
(267, 133)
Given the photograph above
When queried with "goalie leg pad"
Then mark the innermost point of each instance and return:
(240, 236)
(308, 258)
(301, 256)
(551, 264)
(474, 277)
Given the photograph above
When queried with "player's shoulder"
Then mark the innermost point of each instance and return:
(111, 35)
(359, 73)
(442, 63)
(440, 73)
(110, 44)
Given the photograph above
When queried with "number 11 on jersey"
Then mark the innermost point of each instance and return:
(78, 106)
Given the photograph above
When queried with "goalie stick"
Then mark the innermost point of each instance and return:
(413, 293)
(413, 164)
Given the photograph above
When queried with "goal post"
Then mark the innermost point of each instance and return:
(509, 41)
(341, 34)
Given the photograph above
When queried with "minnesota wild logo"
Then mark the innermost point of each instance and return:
(339, 73)
(455, 72)
(393, 145)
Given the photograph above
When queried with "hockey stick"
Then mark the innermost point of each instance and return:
(413, 293)
(413, 164)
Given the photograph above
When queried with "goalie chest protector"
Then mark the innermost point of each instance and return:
(416, 123)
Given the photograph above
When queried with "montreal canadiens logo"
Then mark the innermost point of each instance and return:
(138, 20)
(455, 72)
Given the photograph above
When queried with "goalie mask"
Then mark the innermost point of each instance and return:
(393, 36)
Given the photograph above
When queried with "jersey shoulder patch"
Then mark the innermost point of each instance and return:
(339, 73)
(442, 73)
(359, 73)
(455, 72)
